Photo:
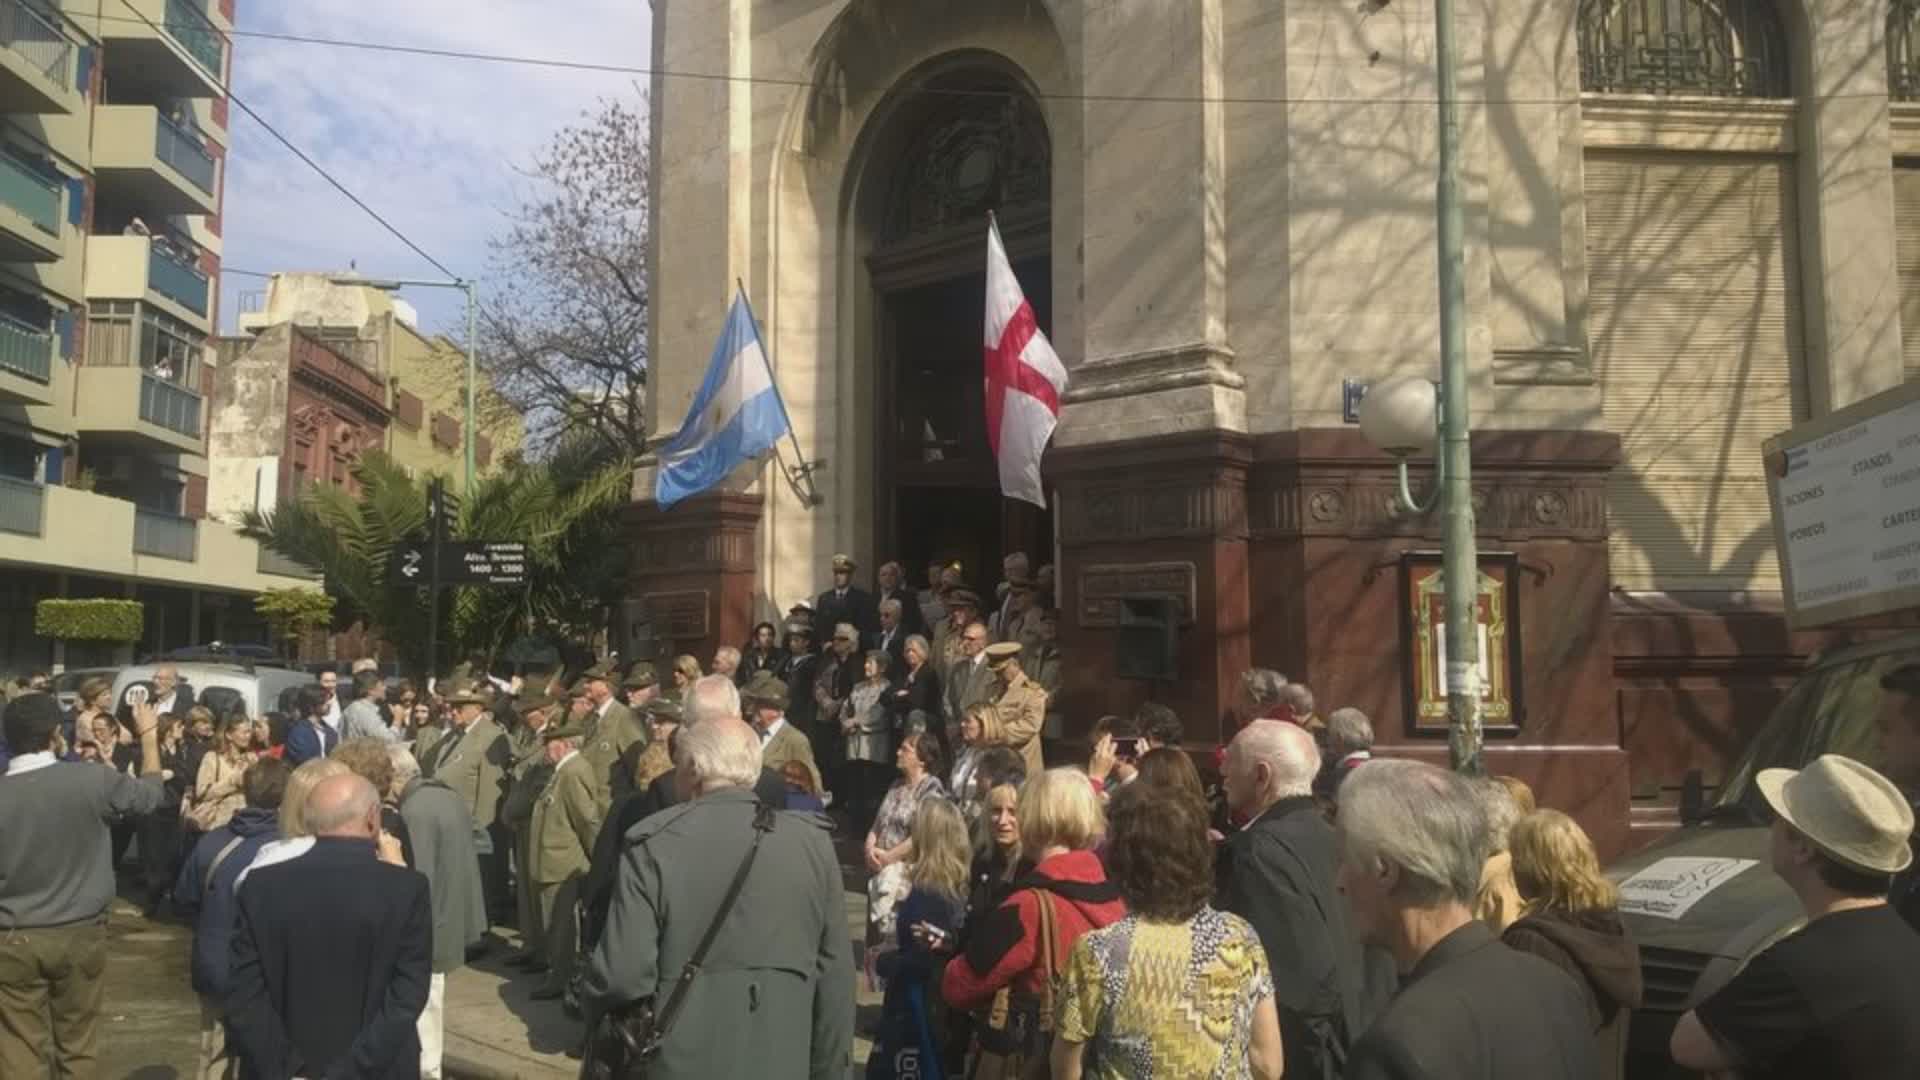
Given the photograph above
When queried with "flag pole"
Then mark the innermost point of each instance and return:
(801, 468)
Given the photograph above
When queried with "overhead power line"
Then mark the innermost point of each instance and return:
(316, 166)
(809, 84)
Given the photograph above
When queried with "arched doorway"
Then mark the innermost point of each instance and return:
(957, 145)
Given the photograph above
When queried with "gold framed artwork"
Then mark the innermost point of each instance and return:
(1423, 642)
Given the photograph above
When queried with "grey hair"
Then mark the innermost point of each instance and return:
(405, 766)
(890, 604)
(726, 652)
(322, 817)
(1496, 802)
(711, 697)
(1349, 730)
(718, 754)
(926, 648)
(1287, 750)
(1297, 697)
(1263, 685)
(1420, 819)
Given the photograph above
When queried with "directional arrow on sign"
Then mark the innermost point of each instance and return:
(410, 565)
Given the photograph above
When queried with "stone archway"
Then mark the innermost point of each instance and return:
(964, 138)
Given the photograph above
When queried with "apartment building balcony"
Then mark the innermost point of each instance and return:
(165, 48)
(152, 270)
(144, 159)
(31, 212)
(38, 72)
(26, 364)
(63, 528)
(132, 406)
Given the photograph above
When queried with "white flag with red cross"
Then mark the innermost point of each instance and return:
(1024, 379)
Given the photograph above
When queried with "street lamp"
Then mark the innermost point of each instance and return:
(1403, 416)
(473, 343)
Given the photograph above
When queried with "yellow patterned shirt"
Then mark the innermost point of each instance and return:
(1165, 999)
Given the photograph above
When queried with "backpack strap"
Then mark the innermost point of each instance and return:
(213, 868)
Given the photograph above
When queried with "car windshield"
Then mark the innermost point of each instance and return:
(1830, 710)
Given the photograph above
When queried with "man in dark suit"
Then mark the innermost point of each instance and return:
(1277, 873)
(309, 736)
(333, 951)
(1412, 840)
(892, 580)
(892, 636)
(846, 602)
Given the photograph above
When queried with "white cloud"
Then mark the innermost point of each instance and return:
(434, 144)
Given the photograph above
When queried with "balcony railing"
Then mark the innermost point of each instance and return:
(35, 196)
(23, 506)
(172, 276)
(34, 37)
(25, 350)
(165, 535)
(184, 151)
(187, 24)
(169, 406)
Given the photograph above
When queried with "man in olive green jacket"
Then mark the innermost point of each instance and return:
(611, 730)
(774, 996)
(475, 759)
(566, 819)
(531, 771)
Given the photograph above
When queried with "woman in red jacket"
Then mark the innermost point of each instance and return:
(1060, 822)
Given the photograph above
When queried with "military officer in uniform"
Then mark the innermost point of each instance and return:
(1023, 704)
(612, 728)
(531, 771)
(639, 687)
(846, 602)
(475, 759)
(963, 609)
(780, 742)
(566, 819)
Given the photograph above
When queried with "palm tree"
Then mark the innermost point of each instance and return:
(351, 537)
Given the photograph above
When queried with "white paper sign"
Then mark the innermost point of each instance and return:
(1669, 888)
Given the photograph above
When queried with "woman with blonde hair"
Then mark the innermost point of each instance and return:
(686, 671)
(980, 728)
(927, 920)
(1572, 919)
(1065, 895)
(218, 790)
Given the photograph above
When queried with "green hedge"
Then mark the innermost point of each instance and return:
(89, 620)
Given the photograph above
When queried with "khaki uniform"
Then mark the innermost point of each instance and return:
(476, 764)
(566, 820)
(1023, 715)
(606, 747)
(788, 744)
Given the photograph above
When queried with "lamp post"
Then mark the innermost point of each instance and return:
(473, 342)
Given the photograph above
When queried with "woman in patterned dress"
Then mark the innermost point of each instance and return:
(1175, 989)
(890, 841)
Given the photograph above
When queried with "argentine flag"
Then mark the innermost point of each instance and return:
(736, 416)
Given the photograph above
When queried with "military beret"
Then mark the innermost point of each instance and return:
(765, 689)
(602, 671)
(1001, 652)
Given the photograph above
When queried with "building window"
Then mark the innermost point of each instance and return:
(1734, 49)
(125, 332)
(1903, 51)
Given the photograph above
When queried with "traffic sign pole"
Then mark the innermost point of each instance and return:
(437, 531)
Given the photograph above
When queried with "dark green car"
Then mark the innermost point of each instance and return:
(1701, 900)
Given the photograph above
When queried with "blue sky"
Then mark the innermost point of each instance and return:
(437, 146)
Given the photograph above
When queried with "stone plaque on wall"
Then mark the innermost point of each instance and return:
(1102, 585)
(679, 615)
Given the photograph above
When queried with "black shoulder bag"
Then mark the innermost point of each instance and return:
(625, 1041)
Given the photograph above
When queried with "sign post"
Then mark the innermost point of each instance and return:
(437, 562)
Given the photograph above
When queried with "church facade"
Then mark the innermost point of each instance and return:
(1690, 225)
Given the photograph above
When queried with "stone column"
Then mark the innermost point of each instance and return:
(1150, 457)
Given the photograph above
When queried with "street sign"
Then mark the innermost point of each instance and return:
(462, 562)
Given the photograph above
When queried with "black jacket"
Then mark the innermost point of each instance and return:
(858, 608)
(1278, 874)
(916, 690)
(332, 958)
(1595, 948)
(1473, 1007)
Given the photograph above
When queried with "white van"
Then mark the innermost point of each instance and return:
(221, 687)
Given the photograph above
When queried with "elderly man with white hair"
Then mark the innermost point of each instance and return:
(1412, 838)
(1278, 874)
(773, 994)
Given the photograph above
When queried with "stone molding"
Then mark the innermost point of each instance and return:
(1904, 119)
(1660, 122)
(1187, 486)
(707, 533)
(1542, 365)
(1152, 370)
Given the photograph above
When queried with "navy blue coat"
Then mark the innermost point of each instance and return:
(212, 903)
(308, 740)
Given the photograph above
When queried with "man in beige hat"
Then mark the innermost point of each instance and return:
(475, 759)
(1899, 757)
(765, 699)
(566, 819)
(1023, 705)
(611, 729)
(1838, 998)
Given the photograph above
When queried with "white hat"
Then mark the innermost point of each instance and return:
(1857, 817)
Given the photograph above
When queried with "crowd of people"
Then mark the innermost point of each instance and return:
(1299, 907)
